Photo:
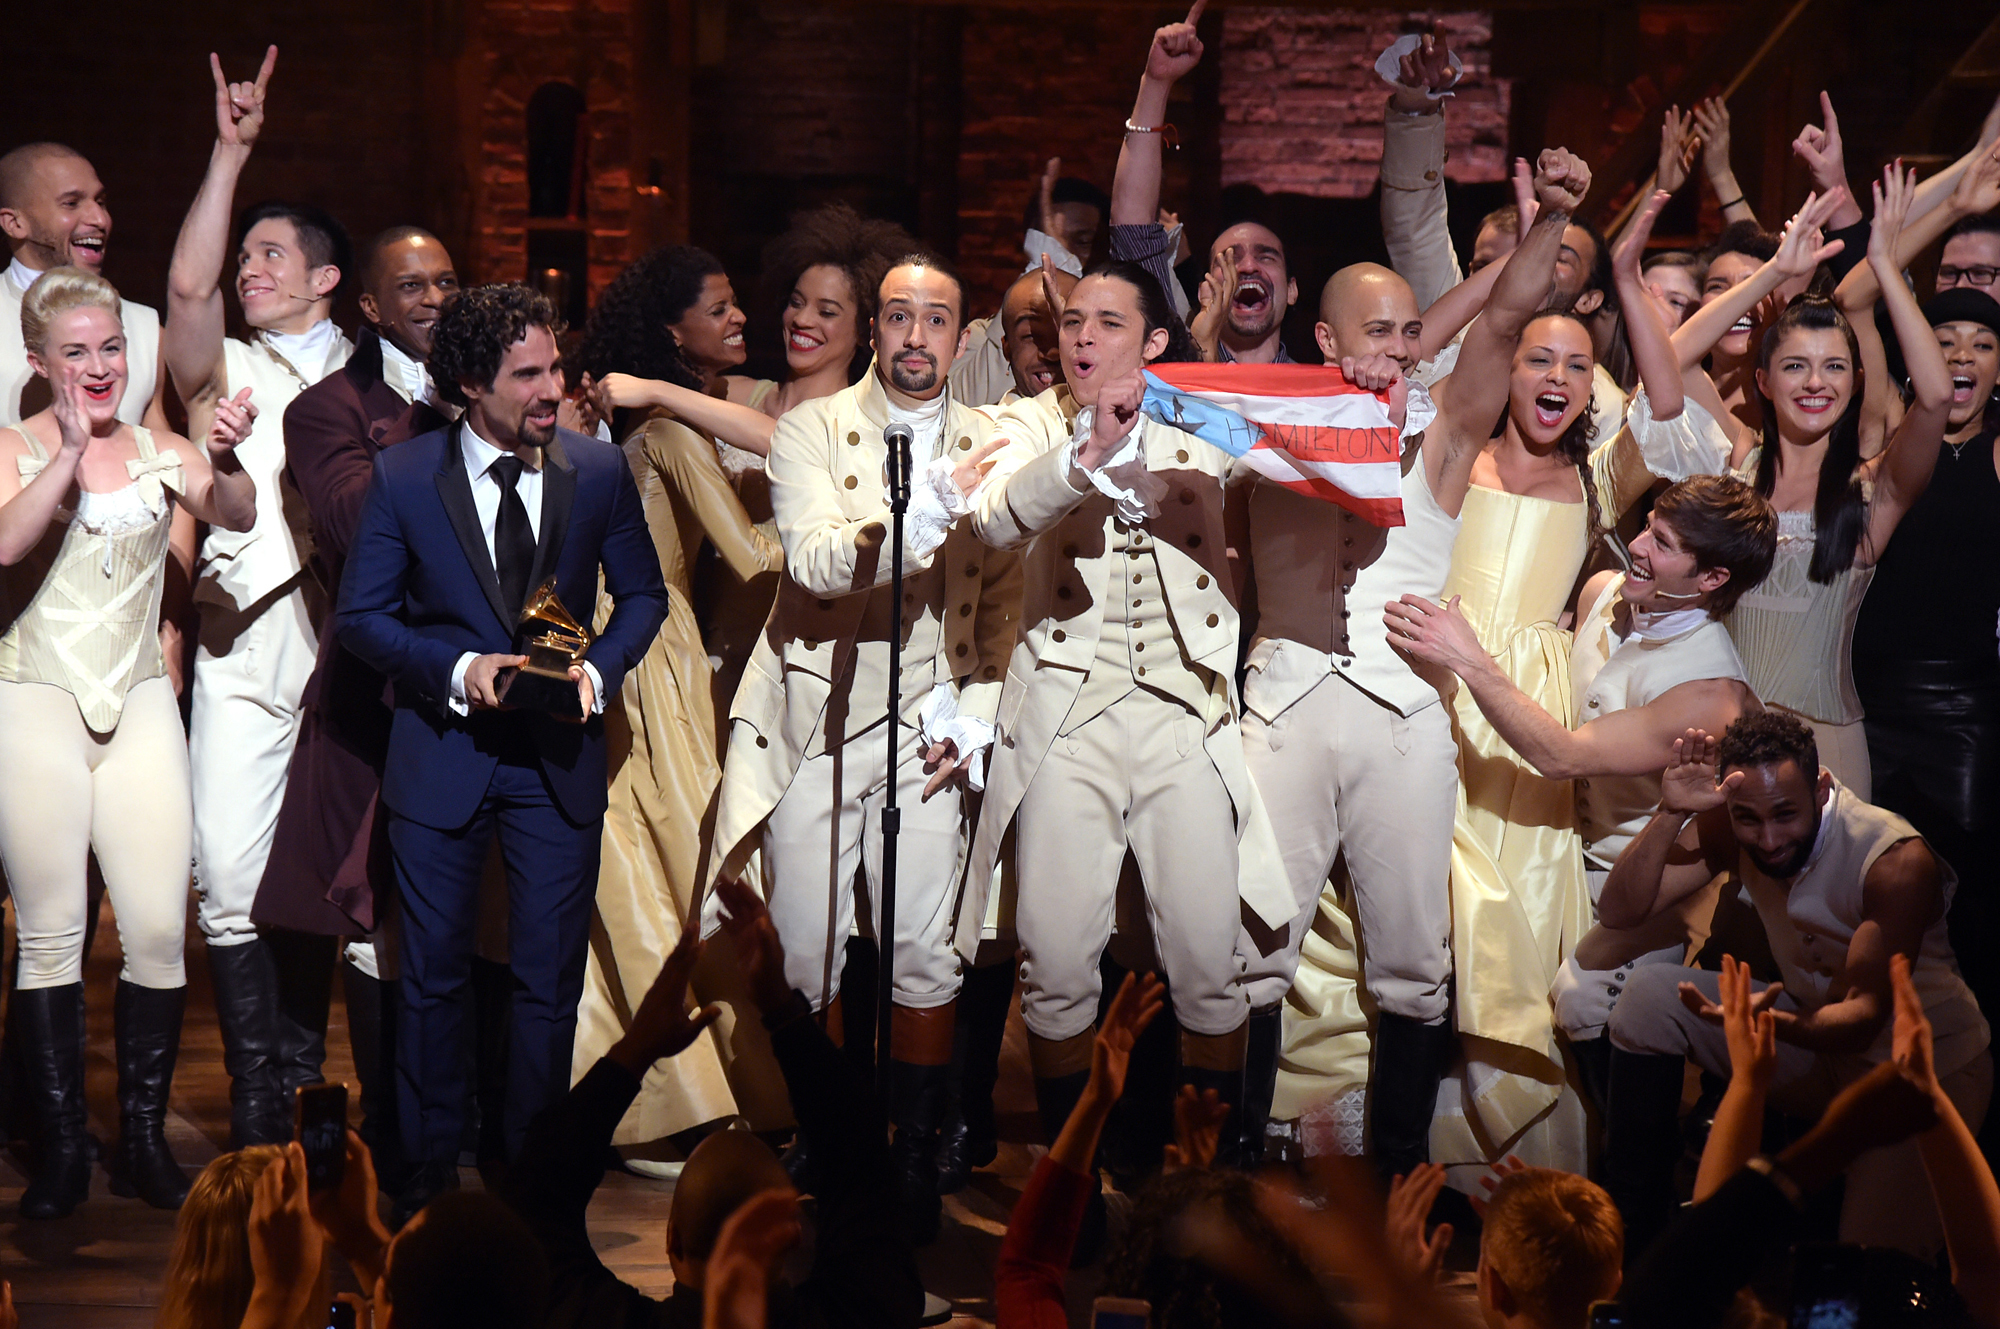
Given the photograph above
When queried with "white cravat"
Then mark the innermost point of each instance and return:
(486, 495)
(412, 381)
(21, 275)
(1666, 624)
(305, 351)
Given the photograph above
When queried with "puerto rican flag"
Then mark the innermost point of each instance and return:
(1303, 426)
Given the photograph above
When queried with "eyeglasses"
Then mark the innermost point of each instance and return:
(1979, 276)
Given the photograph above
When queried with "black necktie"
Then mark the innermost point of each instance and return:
(513, 537)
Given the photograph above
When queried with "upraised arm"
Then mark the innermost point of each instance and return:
(1801, 248)
(1646, 331)
(1415, 219)
(1820, 148)
(1711, 122)
(1135, 189)
(1683, 847)
(192, 337)
(1446, 316)
(1479, 383)
(1903, 471)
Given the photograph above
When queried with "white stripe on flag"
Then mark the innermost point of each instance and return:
(1366, 480)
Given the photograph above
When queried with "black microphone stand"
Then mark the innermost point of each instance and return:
(898, 438)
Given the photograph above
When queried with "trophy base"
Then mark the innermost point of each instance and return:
(532, 689)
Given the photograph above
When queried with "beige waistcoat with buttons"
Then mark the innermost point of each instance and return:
(820, 671)
(1083, 642)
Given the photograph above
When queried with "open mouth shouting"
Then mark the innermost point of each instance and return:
(1962, 386)
(87, 249)
(1041, 378)
(1253, 296)
(1741, 327)
(1550, 406)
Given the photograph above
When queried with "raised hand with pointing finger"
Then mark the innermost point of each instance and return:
(1176, 48)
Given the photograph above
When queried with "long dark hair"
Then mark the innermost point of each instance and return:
(627, 331)
(1840, 511)
(1155, 309)
(1574, 444)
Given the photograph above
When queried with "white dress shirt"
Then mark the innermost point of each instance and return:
(486, 494)
(21, 275)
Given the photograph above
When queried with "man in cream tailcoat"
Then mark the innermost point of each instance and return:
(1117, 727)
(807, 766)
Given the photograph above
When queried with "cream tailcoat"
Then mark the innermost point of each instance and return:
(1027, 499)
(830, 498)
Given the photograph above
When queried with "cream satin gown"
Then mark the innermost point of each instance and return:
(664, 771)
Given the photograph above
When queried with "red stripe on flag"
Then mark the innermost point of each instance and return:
(1260, 380)
(1374, 511)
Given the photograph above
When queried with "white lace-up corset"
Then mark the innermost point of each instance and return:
(81, 612)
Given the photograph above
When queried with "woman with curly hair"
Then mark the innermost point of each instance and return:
(663, 726)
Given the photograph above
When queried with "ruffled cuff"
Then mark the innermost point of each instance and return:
(1123, 478)
(935, 504)
(1389, 65)
(940, 722)
(1691, 443)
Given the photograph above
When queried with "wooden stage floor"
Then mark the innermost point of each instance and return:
(101, 1268)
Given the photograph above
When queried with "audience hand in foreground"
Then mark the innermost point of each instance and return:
(1752, 1031)
(285, 1242)
(737, 1280)
(1501, 1170)
(1884, 1107)
(9, 1317)
(662, 1026)
(748, 924)
(1198, 1119)
(1139, 999)
(347, 1214)
(1410, 1201)
(1912, 1037)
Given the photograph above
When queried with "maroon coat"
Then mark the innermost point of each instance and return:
(318, 878)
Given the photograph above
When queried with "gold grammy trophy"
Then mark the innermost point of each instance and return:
(553, 641)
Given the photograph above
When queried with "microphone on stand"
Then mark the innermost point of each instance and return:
(898, 437)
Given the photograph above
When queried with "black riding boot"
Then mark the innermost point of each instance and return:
(1642, 1140)
(246, 1007)
(149, 1037)
(48, 1031)
(916, 1107)
(1260, 1084)
(971, 1136)
(1410, 1059)
(303, 963)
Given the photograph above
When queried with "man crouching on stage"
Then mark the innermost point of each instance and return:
(808, 763)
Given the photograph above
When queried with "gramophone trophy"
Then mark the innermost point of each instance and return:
(553, 641)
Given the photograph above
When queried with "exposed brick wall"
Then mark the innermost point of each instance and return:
(1302, 104)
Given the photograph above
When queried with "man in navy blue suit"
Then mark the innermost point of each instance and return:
(459, 527)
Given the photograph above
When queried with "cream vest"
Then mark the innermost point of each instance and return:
(82, 611)
(1136, 648)
(1323, 575)
(239, 568)
(1611, 809)
(142, 356)
(1812, 918)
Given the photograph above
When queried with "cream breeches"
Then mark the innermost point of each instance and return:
(65, 792)
(250, 677)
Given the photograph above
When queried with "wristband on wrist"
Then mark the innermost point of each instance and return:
(1779, 1178)
(1731, 203)
(1168, 134)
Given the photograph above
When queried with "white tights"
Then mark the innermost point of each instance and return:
(64, 792)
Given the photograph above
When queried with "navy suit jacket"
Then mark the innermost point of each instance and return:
(419, 590)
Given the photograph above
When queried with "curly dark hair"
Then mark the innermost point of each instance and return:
(475, 329)
(627, 331)
(1155, 310)
(1152, 1259)
(1767, 738)
(835, 236)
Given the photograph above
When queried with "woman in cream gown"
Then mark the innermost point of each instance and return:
(664, 762)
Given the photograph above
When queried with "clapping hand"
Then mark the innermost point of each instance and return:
(1711, 124)
(234, 418)
(1410, 1201)
(239, 107)
(72, 412)
(1688, 785)
(663, 1026)
(1750, 1026)
(1678, 146)
(1490, 1183)
(1978, 189)
(1892, 195)
(1803, 246)
(1217, 294)
(1198, 1118)
(748, 924)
